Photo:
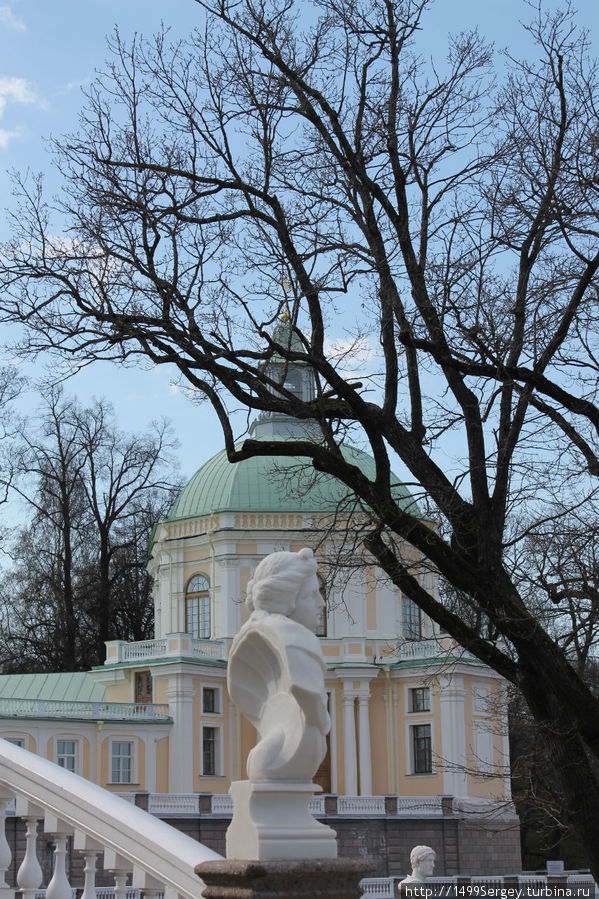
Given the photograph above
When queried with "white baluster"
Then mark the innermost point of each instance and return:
(59, 887)
(120, 883)
(29, 875)
(5, 853)
(89, 871)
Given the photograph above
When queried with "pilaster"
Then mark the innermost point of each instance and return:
(180, 695)
(453, 734)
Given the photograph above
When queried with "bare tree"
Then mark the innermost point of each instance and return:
(438, 212)
(78, 575)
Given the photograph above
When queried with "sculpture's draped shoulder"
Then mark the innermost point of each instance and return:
(276, 669)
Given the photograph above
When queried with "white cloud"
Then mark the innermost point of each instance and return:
(8, 18)
(15, 89)
(353, 352)
(75, 85)
(7, 136)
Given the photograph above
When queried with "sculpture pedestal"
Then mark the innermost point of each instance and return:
(334, 878)
(272, 820)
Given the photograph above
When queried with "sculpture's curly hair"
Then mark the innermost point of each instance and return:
(278, 580)
(419, 853)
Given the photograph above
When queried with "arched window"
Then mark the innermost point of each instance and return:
(321, 630)
(197, 607)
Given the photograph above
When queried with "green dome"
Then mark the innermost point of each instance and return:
(271, 484)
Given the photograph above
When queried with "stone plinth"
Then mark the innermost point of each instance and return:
(272, 820)
(334, 878)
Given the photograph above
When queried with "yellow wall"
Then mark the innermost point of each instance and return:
(418, 784)
(162, 765)
(370, 600)
(378, 742)
(246, 549)
(121, 692)
(197, 556)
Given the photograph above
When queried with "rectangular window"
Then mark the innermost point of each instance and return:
(483, 748)
(410, 620)
(16, 741)
(211, 700)
(66, 754)
(420, 699)
(122, 762)
(421, 749)
(482, 700)
(211, 751)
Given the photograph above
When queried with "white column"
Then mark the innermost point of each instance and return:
(5, 853)
(89, 871)
(364, 742)
(29, 875)
(59, 887)
(391, 787)
(396, 717)
(181, 739)
(349, 741)
(453, 735)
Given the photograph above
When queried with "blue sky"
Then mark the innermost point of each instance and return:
(49, 51)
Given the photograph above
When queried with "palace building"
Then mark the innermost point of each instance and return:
(418, 743)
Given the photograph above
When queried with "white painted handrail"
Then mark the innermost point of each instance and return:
(145, 842)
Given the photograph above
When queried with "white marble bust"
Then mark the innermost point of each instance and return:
(276, 669)
(422, 860)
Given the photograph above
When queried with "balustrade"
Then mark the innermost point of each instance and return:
(160, 859)
(173, 646)
(54, 708)
(419, 805)
(361, 805)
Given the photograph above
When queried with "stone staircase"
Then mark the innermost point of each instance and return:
(135, 845)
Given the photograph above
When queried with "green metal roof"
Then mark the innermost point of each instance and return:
(78, 686)
(272, 484)
(286, 337)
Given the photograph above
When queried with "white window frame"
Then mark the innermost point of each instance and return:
(134, 753)
(204, 601)
(484, 762)
(219, 693)
(218, 756)
(76, 755)
(419, 686)
(411, 605)
(481, 692)
(409, 736)
(16, 739)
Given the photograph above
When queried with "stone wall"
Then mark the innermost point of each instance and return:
(463, 845)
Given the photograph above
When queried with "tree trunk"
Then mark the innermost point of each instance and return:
(572, 768)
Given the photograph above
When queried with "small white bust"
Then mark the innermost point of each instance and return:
(422, 860)
(276, 669)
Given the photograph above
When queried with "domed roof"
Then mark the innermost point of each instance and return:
(271, 484)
